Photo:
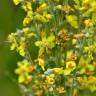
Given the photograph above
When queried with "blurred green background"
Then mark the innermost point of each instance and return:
(11, 17)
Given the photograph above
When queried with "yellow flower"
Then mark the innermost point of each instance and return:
(86, 5)
(74, 41)
(80, 35)
(88, 23)
(50, 79)
(59, 7)
(12, 39)
(40, 18)
(26, 21)
(27, 7)
(23, 71)
(48, 16)
(26, 30)
(72, 20)
(67, 8)
(45, 43)
(14, 45)
(16, 2)
(70, 66)
(39, 93)
(21, 48)
(41, 63)
(30, 14)
(71, 56)
(42, 7)
(61, 89)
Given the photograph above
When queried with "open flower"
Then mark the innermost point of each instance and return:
(70, 66)
(46, 43)
(88, 23)
(24, 71)
(50, 79)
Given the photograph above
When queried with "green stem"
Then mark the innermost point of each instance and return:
(72, 88)
(29, 56)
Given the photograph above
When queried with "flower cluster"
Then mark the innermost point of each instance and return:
(62, 33)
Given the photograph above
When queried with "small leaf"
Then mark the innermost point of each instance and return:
(91, 67)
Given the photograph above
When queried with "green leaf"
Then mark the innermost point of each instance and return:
(91, 67)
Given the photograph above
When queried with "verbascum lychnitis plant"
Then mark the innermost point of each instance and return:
(62, 34)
